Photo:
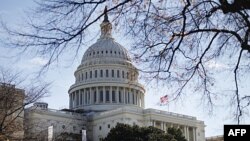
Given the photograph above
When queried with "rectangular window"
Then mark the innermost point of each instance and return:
(82, 93)
(95, 73)
(113, 96)
(81, 98)
(90, 74)
(118, 74)
(101, 73)
(94, 96)
(101, 96)
(120, 97)
(127, 75)
(77, 94)
(82, 76)
(107, 73)
(86, 97)
(133, 98)
(86, 75)
(107, 96)
(128, 97)
(113, 73)
(122, 74)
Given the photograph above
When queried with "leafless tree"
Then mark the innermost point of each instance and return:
(13, 100)
(176, 40)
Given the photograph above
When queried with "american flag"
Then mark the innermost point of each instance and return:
(164, 99)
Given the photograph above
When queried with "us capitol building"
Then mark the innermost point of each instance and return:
(106, 92)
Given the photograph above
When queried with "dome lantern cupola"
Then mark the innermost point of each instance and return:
(106, 26)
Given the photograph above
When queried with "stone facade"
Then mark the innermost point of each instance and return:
(38, 119)
(101, 123)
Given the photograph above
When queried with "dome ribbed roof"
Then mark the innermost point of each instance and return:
(106, 47)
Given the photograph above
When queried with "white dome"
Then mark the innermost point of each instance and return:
(106, 79)
(106, 48)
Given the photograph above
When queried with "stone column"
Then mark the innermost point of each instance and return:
(143, 99)
(162, 126)
(75, 98)
(85, 96)
(135, 97)
(70, 100)
(188, 134)
(132, 97)
(89, 100)
(139, 97)
(185, 131)
(104, 94)
(129, 96)
(140, 100)
(194, 135)
(97, 95)
(80, 96)
(124, 95)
